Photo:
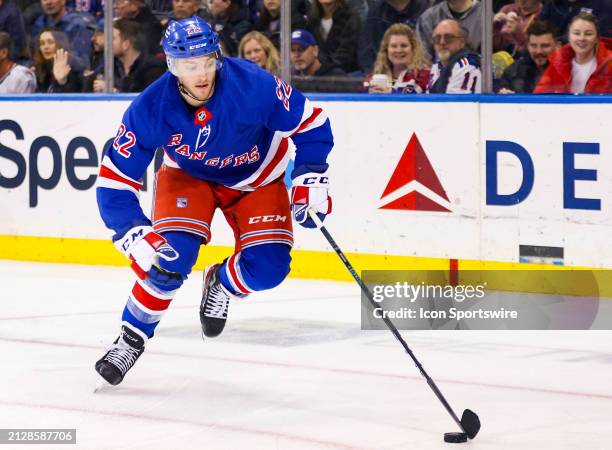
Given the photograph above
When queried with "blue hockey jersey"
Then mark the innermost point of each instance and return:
(239, 138)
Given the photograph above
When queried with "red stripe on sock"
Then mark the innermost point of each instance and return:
(234, 275)
(149, 301)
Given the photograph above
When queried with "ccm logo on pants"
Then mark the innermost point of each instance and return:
(270, 218)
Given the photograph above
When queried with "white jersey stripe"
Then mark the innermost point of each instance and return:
(113, 184)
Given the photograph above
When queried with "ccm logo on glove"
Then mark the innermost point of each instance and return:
(310, 191)
(144, 247)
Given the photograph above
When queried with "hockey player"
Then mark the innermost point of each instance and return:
(226, 127)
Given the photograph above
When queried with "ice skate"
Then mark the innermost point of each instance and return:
(215, 303)
(121, 356)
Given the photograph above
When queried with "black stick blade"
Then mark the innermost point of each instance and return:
(470, 423)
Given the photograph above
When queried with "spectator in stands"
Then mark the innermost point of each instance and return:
(30, 10)
(268, 21)
(500, 61)
(582, 66)
(466, 12)
(95, 8)
(510, 26)
(140, 13)
(181, 9)
(134, 68)
(161, 9)
(381, 15)
(401, 65)
(522, 77)
(96, 61)
(254, 7)
(335, 27)
(56, 68)
(561, 12)
(229, 18)
(12, 23)
(305, 57)
(359, 7)
(256, 47)
(74, 25)
(457, 70)
(97, 45)
(14, 78)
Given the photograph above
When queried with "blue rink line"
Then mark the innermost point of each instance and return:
(396, 98)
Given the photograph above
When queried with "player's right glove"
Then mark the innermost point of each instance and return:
(310, 191)
(144, 247)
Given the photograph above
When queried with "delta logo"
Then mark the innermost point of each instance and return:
(414, 185)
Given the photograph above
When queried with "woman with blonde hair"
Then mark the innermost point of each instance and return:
(401, 65)
(256, 47)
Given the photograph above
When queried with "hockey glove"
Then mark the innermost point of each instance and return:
(144, 247)
(310, 191)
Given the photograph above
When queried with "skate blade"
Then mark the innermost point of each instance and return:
(101, 385)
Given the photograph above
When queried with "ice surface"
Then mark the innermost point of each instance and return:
(292, 370)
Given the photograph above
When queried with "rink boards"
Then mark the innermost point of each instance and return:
(432, 182)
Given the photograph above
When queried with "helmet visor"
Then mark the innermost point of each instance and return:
(193, 67)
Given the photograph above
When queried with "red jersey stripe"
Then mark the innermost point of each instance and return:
(313, 116)
(105, 172)
(280, 154)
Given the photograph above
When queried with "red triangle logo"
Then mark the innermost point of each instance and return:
(414, 166)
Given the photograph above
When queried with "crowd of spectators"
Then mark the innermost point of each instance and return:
(375, 46)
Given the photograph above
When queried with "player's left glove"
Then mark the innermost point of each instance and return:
(310, 190)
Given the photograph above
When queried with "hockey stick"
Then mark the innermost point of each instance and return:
(469, 423)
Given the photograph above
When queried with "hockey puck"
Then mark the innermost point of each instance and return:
(455, 437)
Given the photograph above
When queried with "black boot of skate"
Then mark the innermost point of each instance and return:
(214, 304)
(121, 356)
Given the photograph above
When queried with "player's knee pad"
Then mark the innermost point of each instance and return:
(187, 246)
(265, 266)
